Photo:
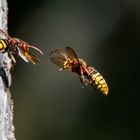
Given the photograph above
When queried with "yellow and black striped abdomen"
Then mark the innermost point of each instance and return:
(3, 44)
(99, 82)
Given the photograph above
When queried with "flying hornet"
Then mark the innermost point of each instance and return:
(19, 47)
(67, 59)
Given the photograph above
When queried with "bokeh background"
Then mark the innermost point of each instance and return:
(51, 105)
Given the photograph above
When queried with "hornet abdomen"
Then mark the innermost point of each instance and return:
(99, 82)
(3, 44)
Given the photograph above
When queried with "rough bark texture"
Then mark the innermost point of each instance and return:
(6, 103)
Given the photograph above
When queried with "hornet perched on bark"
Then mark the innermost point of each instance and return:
(19, 47)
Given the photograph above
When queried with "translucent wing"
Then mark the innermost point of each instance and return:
(58, 57)
(71, 53)
(27, 57)
(32, 58)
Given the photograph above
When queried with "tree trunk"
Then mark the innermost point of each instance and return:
(6, 103)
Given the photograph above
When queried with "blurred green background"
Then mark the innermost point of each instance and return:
(51, 105)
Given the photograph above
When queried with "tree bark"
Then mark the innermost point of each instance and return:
(6, 103)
